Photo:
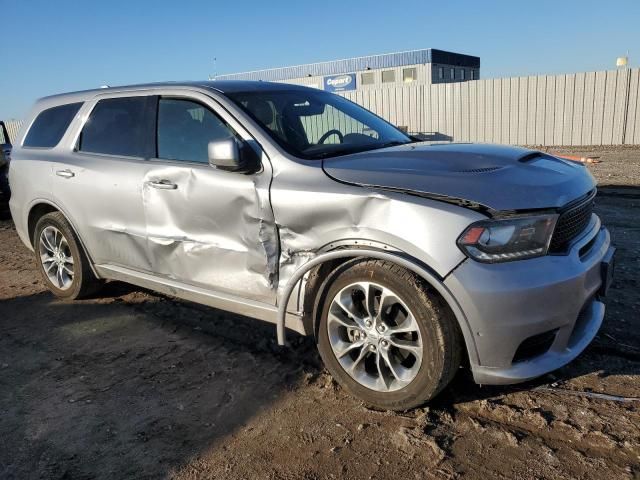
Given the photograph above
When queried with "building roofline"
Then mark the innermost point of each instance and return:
(347, 65)
(326, 62)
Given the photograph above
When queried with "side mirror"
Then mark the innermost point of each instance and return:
(230, 155)
(225, 154)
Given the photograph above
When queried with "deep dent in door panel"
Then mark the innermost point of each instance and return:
(235, 248)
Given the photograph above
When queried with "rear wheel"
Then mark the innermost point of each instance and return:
(385, 337)
(63, 264)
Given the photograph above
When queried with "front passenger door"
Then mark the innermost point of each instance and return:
(207, 227)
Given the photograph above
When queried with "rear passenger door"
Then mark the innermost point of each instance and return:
(99, 184)
(207, 227)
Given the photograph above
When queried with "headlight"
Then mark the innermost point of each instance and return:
(514, 238)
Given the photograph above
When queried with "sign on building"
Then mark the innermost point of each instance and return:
(340, 83)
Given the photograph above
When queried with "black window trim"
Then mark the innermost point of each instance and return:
(242, 131)
(149, 118)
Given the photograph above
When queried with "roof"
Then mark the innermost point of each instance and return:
(223, 86)
(386, 60)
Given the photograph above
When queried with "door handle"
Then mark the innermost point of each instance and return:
(65, 173)
(163, 184)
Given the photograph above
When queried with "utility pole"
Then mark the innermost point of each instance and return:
(213, 77)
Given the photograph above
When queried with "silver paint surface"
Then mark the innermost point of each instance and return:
(244, 242)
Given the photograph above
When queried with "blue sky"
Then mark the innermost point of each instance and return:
(56, 46)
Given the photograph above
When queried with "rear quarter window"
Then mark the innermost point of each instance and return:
(50, 125)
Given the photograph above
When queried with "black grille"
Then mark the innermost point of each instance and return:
(572, 221)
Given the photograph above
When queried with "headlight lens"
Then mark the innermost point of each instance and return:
(514, 238)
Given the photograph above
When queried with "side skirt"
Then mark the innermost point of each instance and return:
(222, 301)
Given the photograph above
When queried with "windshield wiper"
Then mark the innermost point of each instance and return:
(393, 143)
(337, 152)
(357, 149)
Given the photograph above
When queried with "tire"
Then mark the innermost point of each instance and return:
(396, 371)
(81, 282)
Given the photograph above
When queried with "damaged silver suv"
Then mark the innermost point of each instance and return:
(298, 207)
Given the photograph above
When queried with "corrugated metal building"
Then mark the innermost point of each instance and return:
(425, 67)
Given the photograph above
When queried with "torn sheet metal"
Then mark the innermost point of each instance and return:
(314, 212)
(214, 229)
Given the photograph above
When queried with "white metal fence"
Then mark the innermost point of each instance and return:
(13, 126)
(593, 108)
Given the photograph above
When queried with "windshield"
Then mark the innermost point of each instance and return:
(315, 124)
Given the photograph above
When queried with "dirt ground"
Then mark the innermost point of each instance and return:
(137, 385)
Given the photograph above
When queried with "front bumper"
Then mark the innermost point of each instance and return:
(507, 304)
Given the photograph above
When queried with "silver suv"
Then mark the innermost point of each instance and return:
(300, 208)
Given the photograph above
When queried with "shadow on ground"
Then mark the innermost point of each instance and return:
(152, 393)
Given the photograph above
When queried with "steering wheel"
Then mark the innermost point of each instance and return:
(333, 131)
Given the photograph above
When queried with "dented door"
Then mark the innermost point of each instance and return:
(98, 185)
(207, 227)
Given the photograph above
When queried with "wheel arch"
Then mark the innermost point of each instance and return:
(334, 255)
(37, 210)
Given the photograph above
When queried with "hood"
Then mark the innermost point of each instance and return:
(494, 176)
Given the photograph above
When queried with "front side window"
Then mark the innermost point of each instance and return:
(453, 74)
(185, 129)
(440, 73)
(462, 74)
(117, 126)
(314, 124)
(50, 125)
(388, 76)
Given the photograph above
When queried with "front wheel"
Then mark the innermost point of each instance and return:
(385, 337)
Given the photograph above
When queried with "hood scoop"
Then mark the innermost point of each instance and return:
(479, 170)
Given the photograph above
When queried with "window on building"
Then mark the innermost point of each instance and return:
(50, 125)
(453, 73)
(185, 129)
(409, 75)
(388, 76)
(440, 73)
(117, 126)
(462, 74)
(472, 74)
(367, 78)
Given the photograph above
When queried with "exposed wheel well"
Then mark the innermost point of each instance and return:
(36, 212)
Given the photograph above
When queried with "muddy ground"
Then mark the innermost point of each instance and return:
(137, 385)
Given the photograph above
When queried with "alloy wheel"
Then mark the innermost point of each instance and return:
(374, 336)
(56, 257)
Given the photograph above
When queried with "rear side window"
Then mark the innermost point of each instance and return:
(117, 126)
(49, 126)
